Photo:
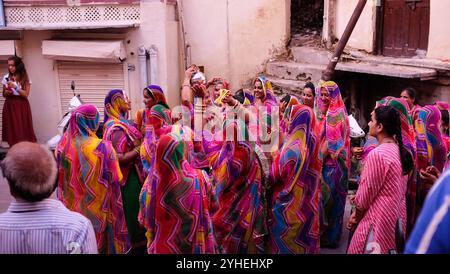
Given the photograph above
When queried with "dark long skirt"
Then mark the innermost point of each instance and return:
(130, 199)
(17, 124)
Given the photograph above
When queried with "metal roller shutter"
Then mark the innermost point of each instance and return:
(92, 81)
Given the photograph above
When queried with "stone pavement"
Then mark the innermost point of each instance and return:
(5, 199)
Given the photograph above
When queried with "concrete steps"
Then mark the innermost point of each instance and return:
(295, 71)
(310, 55)
(283, 86)
(306, 66)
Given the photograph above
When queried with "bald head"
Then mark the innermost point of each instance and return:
(30, 170)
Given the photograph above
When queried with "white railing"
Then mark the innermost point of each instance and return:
(72, 17)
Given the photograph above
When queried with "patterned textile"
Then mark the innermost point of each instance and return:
(240, 221)
(370, 144)
(430, 234)
(431, 150)
(116, 129)
(89, 180)
(334, 133)
(446, 107)
(408, 135)
(175, 202)
(158, 115)
(409, 143)
(381, 194)
(267, 129)
(295, 202)
(152, 122)
(285, 116)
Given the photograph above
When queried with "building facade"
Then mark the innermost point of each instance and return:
(128, 44)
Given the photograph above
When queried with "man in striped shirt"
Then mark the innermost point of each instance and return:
(431, 234)
(34, 223)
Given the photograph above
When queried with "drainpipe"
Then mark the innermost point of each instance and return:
(328, 73)
(153, 53)
(142, 59)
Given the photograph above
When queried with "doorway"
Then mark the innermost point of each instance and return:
(306, 21)
(406, 25)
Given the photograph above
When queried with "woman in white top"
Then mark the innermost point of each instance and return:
(17, 120)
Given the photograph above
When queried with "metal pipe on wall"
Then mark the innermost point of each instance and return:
(328, 73)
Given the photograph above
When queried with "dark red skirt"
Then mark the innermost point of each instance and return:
(17, 123)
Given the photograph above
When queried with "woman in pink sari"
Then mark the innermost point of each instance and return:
(294, 227)
(334, 133)
(240, 220)
(89, 180)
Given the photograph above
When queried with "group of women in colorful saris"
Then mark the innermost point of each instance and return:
(161, 184)
(390, 196)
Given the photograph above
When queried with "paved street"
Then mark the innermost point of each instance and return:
(5, 199)
(342, 249)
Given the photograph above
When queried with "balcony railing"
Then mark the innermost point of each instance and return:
(72, 17)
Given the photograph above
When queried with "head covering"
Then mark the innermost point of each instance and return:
(116, 110)
(293, 101)
(245, 98)
(334, 125)
(159, 115)
(264, 119)
(158, 94)
(219, 80)
(115, 105)
(240, 221)
(175, 202)
(445, 107)
(431, 150)
(116, 113)
(295, 227)
(90, 178)
(402, 107)
(334, 133)
(267, 88)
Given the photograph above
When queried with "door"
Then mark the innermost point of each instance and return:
(406, 25)
(93, 81)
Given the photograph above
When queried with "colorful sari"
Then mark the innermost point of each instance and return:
(295, 202)
(284, 124)
(240, 221)
(158, 115)
(409, 142)
(125, 137)
(431, 149)
(152, 122)
(445, 107)
(175, 202)
(89, 180)
(334, 132)
(264, 111)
